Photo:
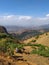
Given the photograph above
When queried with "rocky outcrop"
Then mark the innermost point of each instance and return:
(3, 29)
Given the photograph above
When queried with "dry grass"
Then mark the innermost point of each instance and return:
(43, 39)
(28, 40)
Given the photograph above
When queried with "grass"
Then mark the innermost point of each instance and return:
(37, 36)
(33, 41)
(8, 46)
(40, 50)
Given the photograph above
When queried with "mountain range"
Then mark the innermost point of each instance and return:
(20, 29)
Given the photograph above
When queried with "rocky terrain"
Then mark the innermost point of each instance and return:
(30, 51)
(3, 29)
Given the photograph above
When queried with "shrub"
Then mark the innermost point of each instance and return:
(41, 50)
(37, 37)
(46, 34)
(33, 41)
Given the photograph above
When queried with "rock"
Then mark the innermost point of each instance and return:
(3, 29)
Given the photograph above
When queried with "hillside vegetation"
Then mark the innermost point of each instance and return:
(32, 51)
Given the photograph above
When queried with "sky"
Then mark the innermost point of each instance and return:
(24, 12)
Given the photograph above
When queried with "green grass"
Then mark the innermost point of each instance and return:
(8, 46)
(37, 36)
(40, 50)
(33, 41)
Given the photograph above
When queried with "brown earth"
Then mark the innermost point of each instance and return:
(26, 59)
(43, 39)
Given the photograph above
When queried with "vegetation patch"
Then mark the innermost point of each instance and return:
(8, 45)
(33, 41)
(40, 50)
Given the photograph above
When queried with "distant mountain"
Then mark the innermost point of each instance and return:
(45, 28)
(20, 29)
(27, 32)
(16, 29)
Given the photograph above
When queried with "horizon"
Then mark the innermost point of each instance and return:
(24, 12)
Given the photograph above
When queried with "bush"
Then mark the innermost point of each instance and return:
(46, 34)
(33, 41)
(41, 50)
(37, 37)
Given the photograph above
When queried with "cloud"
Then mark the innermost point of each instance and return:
(23, 20)
(25, 17)
(47, 15)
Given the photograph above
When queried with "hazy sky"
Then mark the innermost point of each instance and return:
(24, 12)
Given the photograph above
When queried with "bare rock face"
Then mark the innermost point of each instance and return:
(3, 29)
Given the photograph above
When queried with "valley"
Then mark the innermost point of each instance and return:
(32, 48)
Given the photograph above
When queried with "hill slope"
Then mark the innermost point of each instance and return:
(3, 29)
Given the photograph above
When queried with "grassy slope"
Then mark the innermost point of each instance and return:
(43, 39)
(28, 59)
